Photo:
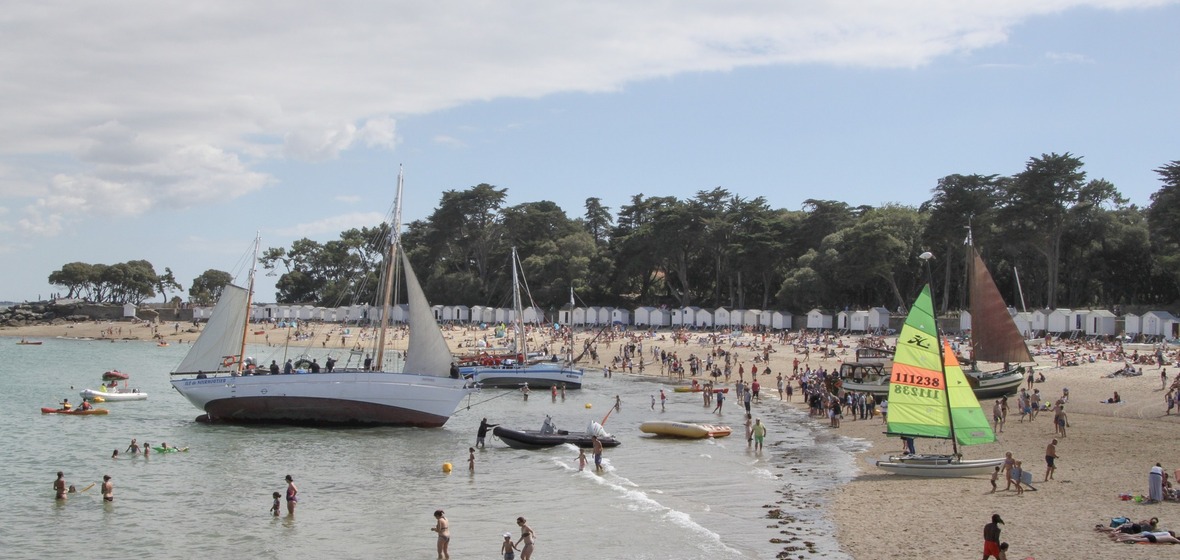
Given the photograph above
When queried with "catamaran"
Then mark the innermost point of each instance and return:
(929, 397)
(423, 394)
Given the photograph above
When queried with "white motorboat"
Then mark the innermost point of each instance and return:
(113, 396)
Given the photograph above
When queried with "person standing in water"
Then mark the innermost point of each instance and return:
(759, 434)
(108, 489)
(527, 536)
(292, 495)
(59, 486)
(597, 453)
(443, 528)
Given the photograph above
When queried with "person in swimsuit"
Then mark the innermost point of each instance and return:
(527, 536)
(597, 453)
(108, 488)
(443, 528)
(274, 508)
(133, 448)
(292, 495)
(1050, 459)
(59, 486)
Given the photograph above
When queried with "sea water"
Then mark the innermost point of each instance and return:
(371, 492)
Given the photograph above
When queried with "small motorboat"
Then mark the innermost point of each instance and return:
(114, 374)
(75, 411)
(113, 395)
(550, 436)
(684, 429)
(24, 342)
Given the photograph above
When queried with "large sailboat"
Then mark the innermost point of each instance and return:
(423, 394)
(929, 397)
(994, 336)
(520, 369)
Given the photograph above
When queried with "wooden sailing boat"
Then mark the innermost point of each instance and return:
(994, 336)
(929, 397)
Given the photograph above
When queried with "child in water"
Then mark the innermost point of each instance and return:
(275, 507)
(507, 548)
(581, 459)
(471, 459)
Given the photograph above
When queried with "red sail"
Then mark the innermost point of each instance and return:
(994, 337)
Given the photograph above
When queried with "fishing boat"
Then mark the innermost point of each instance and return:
(113, 395)
(75, 411)
(929, 397)
(691, 430)
(23, 342)
(422, 394)
(519, 370)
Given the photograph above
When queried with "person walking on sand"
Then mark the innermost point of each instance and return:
(292, 495)
(443, 528)
(995, 477)
(1050, 459)
(59, 486)
(991, 538)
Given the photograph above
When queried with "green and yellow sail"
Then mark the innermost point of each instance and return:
(928, 392)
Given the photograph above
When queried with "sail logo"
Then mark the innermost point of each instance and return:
(919, 341)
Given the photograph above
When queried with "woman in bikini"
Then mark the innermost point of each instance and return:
(528, 537)
(292, 497)
(443, 528)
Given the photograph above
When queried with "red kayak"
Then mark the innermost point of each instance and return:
(114, 374)
(74, 411)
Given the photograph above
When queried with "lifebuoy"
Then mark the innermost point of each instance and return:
(229, 361)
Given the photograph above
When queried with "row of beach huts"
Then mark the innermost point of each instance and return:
(1090, 322)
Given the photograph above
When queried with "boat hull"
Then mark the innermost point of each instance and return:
(349, 398)
(76, 412)
(684, 429)
(940, 466)
(537, 375)
(698, 389)
(112, 397)
(534, 439)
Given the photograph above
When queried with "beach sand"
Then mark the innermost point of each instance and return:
(1109, 450)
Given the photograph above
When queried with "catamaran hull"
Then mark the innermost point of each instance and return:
(987, 386)
(351, 398)
(541, 376)
(938, 466)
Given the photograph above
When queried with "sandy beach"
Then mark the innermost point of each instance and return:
(1108, 451)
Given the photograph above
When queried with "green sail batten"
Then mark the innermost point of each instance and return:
(926, 392)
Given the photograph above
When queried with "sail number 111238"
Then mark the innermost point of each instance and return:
(915, 379)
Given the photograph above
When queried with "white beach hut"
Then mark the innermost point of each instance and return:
(460, 313)
(604, 315)
(660, 317)
(620, 316)
(703, 318)
(721, 317)
(534, 315)
(1023, 322)
(1059, 321)
(688, 316)
(859, 321)
(1159, 323)
(819, 319)
(1132, 324)
(1077, 319)
(1040, 319)
(400, 313)
(643, 316)
(502, 315)
(580, 314)
(964, 321)
(843, 319)
(878, 319)
(781, 320)
(750, 317)
(1100, 322)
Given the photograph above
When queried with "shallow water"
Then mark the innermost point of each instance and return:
(372, 491)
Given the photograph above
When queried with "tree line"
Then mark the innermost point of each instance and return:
(133, 282)
(1048, 233)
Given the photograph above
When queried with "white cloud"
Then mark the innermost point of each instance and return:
(347, 198)
(331, 225)
(132, 105)
(1067, 57)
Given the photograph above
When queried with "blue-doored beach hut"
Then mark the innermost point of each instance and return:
(1100, 322)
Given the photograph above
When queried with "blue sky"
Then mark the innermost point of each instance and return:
(172, 132)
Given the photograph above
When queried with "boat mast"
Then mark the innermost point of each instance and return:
(241, 362)
(390, 271)
(517, 306)
(946, 390)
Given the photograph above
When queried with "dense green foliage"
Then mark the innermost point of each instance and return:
(1075, 241)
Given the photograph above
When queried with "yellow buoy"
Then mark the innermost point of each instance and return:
(588, 405)
(99, 399)
(446, 467)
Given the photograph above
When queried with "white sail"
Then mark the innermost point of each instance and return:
(222, 337)
(428, 353)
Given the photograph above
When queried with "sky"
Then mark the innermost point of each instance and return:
(174, 131)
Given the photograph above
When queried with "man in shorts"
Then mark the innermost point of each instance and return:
(1050, 459)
